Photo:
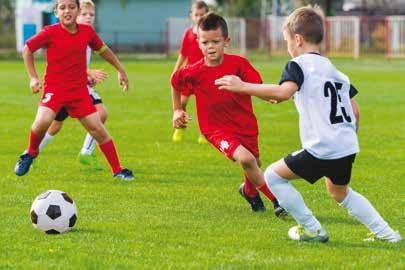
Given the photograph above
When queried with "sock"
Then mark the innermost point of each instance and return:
(359, 207)
(291, 200)
(48, 137)
(250, 189)
(88, 145)
(266, 191)
(111, 155)
(34, 142)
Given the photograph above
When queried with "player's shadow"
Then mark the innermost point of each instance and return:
(85, 231)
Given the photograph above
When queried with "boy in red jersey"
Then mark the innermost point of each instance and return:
(190, 53)
(66, 83)
(87, 16)
(226, 119)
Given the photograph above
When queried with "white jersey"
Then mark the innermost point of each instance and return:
(326, 119)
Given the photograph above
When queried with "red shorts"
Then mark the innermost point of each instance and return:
(77, 106)
(228, 142)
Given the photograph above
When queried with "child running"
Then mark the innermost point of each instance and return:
(328, 121)
(66, 83)
(190, 53)
(87, 16)
(225, 119)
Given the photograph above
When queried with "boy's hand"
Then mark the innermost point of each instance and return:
(123, 80)
(180, 119)
(230, 82)
(35, 85)
(95, 76)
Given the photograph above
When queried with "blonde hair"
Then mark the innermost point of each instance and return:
(307, 21)
(87, 3)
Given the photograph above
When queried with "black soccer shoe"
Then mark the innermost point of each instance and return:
(23, 164)
(125, 175)
(256, 202)
(279, 211)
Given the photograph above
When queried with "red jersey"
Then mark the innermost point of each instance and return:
(66, 69)
(189, 47)
(220, 110)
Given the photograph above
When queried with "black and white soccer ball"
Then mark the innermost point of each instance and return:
(53, 212)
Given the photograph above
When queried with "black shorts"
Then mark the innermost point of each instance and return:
(63, 114)
(312, 169)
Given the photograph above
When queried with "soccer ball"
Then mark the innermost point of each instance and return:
(53, 212)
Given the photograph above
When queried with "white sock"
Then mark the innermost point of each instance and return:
(47, 138)
(88, 145)
(291, 200)
(359, 207)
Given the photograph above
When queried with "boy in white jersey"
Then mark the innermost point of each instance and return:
(86, 157)
(328, 120)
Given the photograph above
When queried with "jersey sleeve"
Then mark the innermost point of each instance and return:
(353, 91)
(40, 40)
(292, 72)
(96, 43)
(248, 73)
(182, 81)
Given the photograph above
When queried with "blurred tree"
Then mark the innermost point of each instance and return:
(6, 15)
(241, 8)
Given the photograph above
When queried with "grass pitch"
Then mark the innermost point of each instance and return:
(183, 210)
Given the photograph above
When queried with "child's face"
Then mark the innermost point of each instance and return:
(67, 11)
(212, 44)
(291, 44)
(196, 14)
(87, 16)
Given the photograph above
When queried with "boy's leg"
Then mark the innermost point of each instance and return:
(359, 207)
(277, 177)
(42, 121)
(93, 125)
(55, 127)
(255, 176)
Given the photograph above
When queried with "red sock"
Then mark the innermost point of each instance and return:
(34, 142)
(266, 191)
(111, 155)
(250, 189)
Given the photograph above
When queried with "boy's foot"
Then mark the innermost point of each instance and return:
(298, 233)
(23, 164)
(279, 211)
(89, 160)
(125, 175)
(177, 135)
(392, 238)
(256, 202)
(201, 139)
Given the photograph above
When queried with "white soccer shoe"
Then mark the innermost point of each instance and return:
(298, 233)
(391, 238)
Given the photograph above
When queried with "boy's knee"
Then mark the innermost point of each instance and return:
(338, 193)
(247, 161)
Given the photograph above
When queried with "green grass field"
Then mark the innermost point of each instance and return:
(183, 210)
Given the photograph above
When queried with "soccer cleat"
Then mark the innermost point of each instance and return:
(177, 135)
(392, 238)
(201, 139)
(125, 175)
(299, 233)
(279, 211)
(256, 202)
(23, 164)
(90, 160)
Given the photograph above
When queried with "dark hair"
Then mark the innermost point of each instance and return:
(77, 3)
(306, 21)
(213, 21)
(199, 5)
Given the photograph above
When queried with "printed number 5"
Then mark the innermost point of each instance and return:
(47, 98)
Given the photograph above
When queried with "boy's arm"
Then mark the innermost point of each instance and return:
(356, 112)
(264, 91)
(35, 83)
(180, 117)
(111, 58)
